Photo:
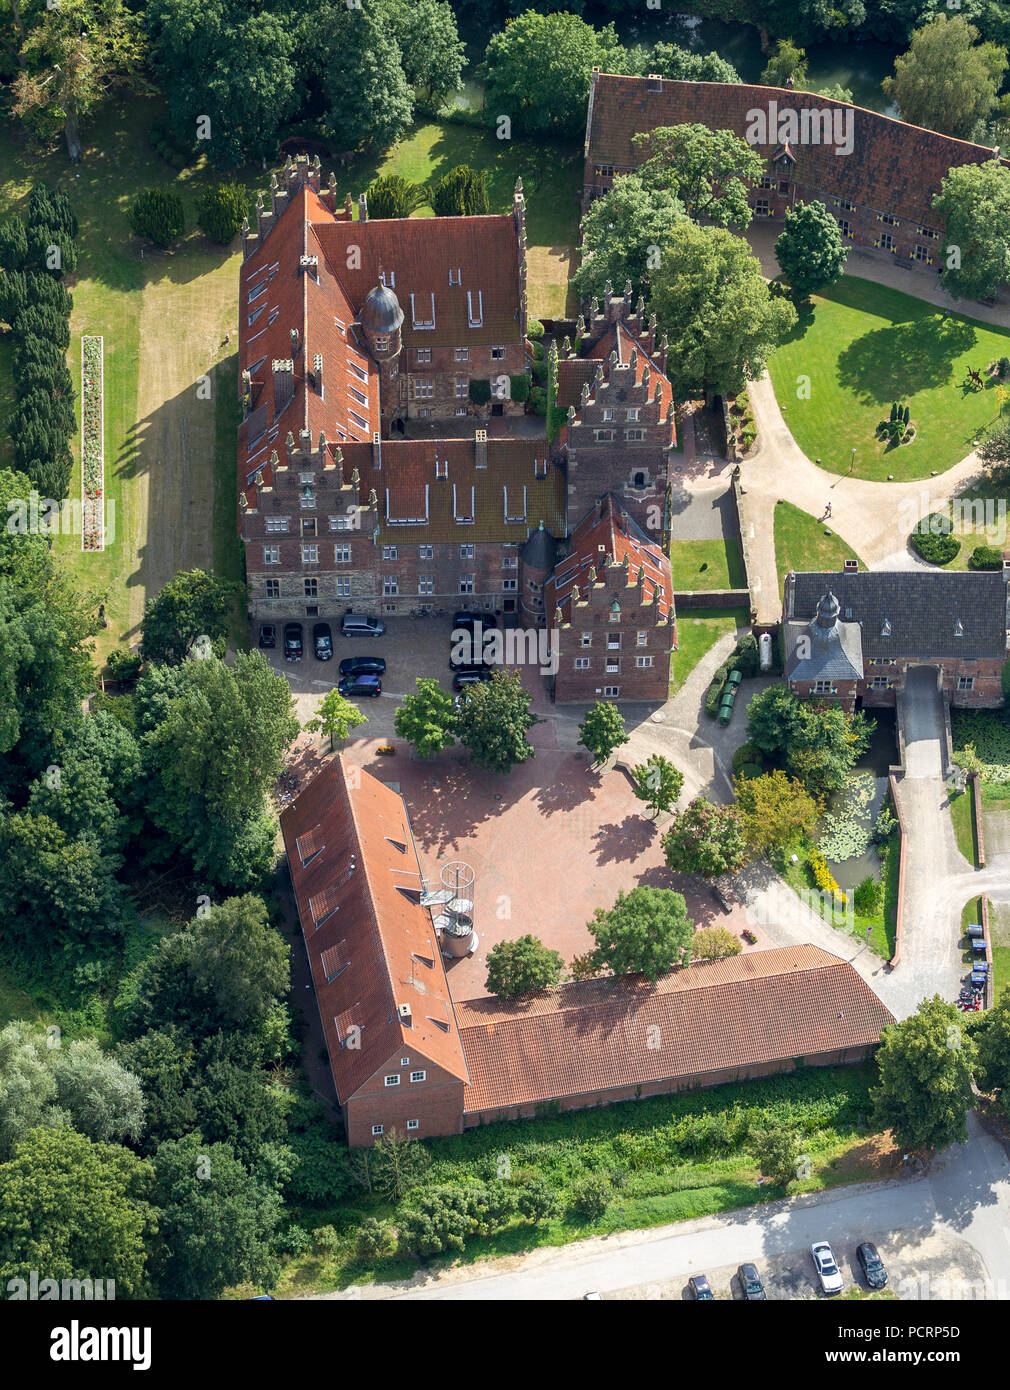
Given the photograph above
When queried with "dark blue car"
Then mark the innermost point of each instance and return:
(360, 685)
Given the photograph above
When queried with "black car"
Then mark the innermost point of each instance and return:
(292, 641)
(360, 685)
(268, 635)
(700, 1288)
(750, 1283)
(363, 666)
(471, 675)
(872, 1265)
(464, 618)
(322, 641)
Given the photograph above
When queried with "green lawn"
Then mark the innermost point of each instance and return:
(804, 543)
(713, 564)
(962, 813)
(861, 346)
(698, 630)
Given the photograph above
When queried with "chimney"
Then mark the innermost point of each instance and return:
(403, 1012)
(480, 449)
(305, 442)
(284, 382)
(362, 208)
(348, 207)
(377, 451)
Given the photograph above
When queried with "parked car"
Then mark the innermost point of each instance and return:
(872, 1265)
(360, 625)
(363, 666)
(750, 1283)
(268, 635)
(465, 662)
(356, 686)
(322, 641)
(292, 641)
(464, 618)
(827, 1270)
(700, 1288)
(471, 675)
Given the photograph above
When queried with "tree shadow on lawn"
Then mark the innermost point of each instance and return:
(890, 364)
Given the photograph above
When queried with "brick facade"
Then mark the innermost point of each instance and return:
(415, 1109)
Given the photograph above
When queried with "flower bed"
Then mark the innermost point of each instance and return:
(92, 444)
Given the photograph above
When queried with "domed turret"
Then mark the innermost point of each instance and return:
(381, 312)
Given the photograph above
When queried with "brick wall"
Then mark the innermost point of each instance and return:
(614, 644)
(985, 675)
(447, 375)
(436, 1102)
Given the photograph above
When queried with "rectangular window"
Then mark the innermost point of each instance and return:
(633, 414)
(418, 1075)
(466, 552)
(923, 255)
(885, 241)
(466, 583)
(422, 355)
(341, 523)
(426, 552)
(474, 308)
(761, 208)
(278, 523)
(509, 586)
(376, 1129)
(310, 554)
(311, 588)
(587, 639)
(309, 478)
(497, 354)
(413, 1124)
(390, 585)
(821, 688)
(343, 586)
(425, 583)
(462, 354)
(608, 415)
(509, 562)
(634, 434)
(422, 314)
(456, 276)
(845, 228)
(424, 388)
(642, 638)
(271, 554)
(462, 387)
(582, 663)
(612, 691)
(603, 436)
(783, 185)
(614, 642)
(613, 666)
(461, 410)
(389, 552)
(393, 1080)
(308, 525)
(273, 588)
(887, 219)
(404, 1061)
(423, 415)
(966, 682)
(388, 278)
(341, 554)
(643, 661)
(879, 683)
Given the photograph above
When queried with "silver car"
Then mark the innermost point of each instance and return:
(827, 1270)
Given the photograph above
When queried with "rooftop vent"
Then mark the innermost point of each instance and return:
(405, 1016)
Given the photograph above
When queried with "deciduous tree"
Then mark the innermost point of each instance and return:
(707, 170)
(775, 811)
(810, 249)
(657, 782)
(714, 943)
(624, 234)
(925, 1066)
(494, 720)
(705, 839)
(521, 966)
(427, 718)
(947, 80)
(336, 716)
(647, 932)
(974, 200)
(602, 730)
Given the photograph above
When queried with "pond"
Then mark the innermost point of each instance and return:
(851, 813)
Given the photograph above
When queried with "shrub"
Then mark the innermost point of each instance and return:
(480, 390)
(462, 192)
(985, 557)
(372, 1240)
(393, 196)
(534, 328)
(867, 897)
(886, 825)
(746, 658)
(295, 1240)
(539, 370)
(325, 1240)
(538, 400)
(220, 212)
(750, 770)
(13, 244)
(519, 387)
(590, 1196)
(535, 1199)
(931, 540)
(158, 216)
(714, 943)
(538, 352)
(823, 876)
(124, 666)
(1003, 366)
(748, 752)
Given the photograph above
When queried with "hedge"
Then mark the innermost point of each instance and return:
(931, 539)
(519, 387)
(985, 557)
(480, 390)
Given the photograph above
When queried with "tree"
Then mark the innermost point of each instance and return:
(536, 1199)
(602, 730)
(818, 744)
(392, 196)
(974, 201)
(714, 943)
(396, 1162)
(360, 67)
(71, 56)
(657, 782)
(336, 716)
(994, 450)
(590, 1196)
(522, 966)
(537, 71)
(779, 1153)
(810, 249)
(707, 170)
(669, 60)
(227, 71)
(647, 932)
(787, 66)
(221, 212)
(433, 56)
(157, 215)
(426, 719)
(946, 81)
(74, 1209)
(925, 1066)
(462, 192)
(624, 233)
(494, 720)
(775, 811)
(705, 839)
(711, 298)
(92, 792)
(238, 961)
(193, 604)
(992, 1073)
(217, 1221)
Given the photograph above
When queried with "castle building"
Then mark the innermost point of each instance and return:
(877, 175)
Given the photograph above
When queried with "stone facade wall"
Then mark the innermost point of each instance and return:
(447, 375)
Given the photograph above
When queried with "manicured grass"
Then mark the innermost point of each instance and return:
(712, 564)
(552, 184)
(698, 630)
(644, 1149)
(804, 543)
(860, 347)
(962, 814)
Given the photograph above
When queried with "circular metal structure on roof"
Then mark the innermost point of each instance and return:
(381, 312)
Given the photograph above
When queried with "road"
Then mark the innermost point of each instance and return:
(962, 1205)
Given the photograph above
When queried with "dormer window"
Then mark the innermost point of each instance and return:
(441, 468)
(456, 276)
(388, 278)
(959, 628)
(885, 630)
(422, 314)
(474, 308)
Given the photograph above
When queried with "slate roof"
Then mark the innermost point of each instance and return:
(894, 167)
(832, 649)
(370, 947)
(921, 607)
(761, 1007)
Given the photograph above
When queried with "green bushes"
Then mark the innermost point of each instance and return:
(867, 897)
(931, 540)
(746, 659)
(519, 387)
(462, 192)
(748, 752)
(534, 329)
(538, 400)
(590, 1196)
(985, 557)
(539, 370)
(393, 196)
(157, 215)
(221, 211)
(480, 390)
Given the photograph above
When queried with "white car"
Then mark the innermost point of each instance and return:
(827, 1270)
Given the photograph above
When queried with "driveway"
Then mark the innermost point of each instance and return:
(934, 1232)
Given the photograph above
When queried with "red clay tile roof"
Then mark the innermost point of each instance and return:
(765, 1006)
(894, 167)
(369, 951)
(620, 537)
(573, 371)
